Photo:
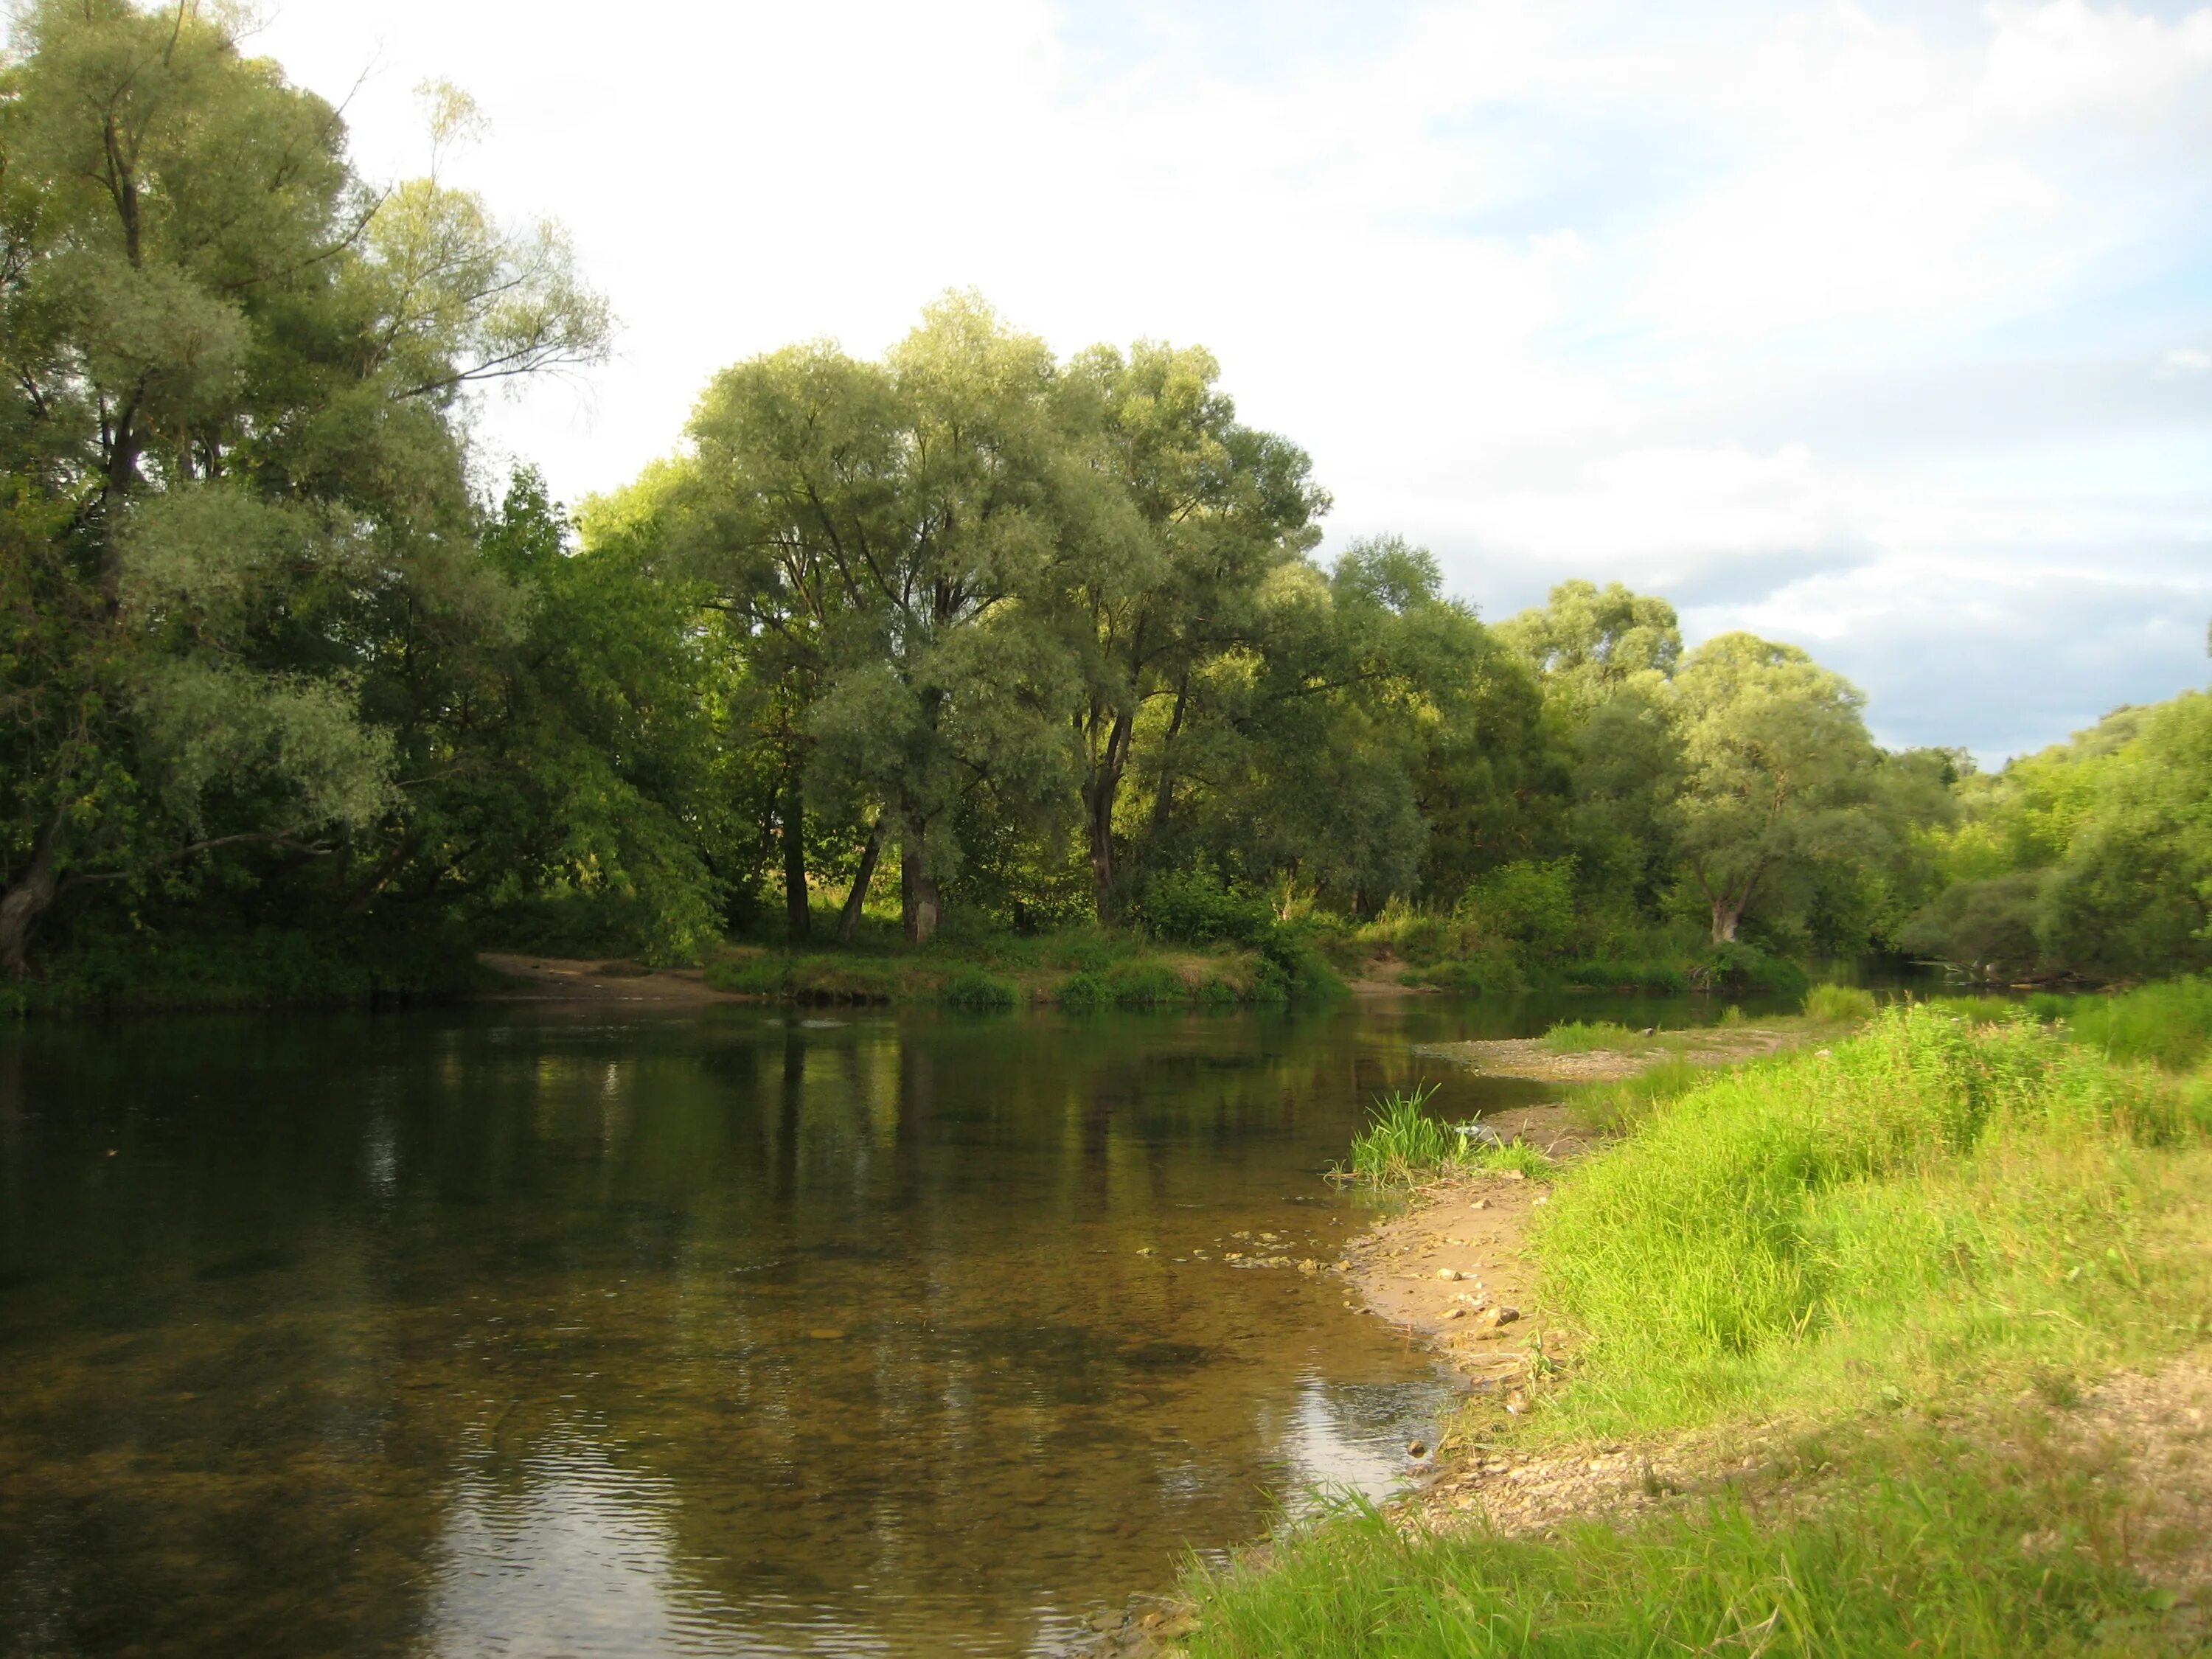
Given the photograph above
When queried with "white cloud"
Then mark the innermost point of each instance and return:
(1724, 297)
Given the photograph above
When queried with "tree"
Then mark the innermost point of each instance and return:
(1780, 776)
(1589, 644)
(230, 450)
(898, 536)
(1216, 508)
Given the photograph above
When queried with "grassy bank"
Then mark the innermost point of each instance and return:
(1082, 970)
(1894, 1254)
(256, 968)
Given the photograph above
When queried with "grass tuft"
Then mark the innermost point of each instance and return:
(1577, 1037)
(1839, 1004)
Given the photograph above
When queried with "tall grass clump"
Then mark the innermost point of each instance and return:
(2169, 1023)
(1576, 1036)
(1857, 1212)
(1401, 1142)
(1839, 1004)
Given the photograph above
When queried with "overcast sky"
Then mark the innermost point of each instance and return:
(1886, 330)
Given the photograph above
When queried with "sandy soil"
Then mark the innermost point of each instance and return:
(1530, 1057)
(564, 979)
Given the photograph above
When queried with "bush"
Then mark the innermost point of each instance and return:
(1740, 967)
(1532, 904)
(1661, 978)
(1193, 908)
(1491, 969)
(973, 988)
(1083, 993)
(1839, 1004)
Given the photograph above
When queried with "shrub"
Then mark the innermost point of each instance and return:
(1661, 978)
(1083, 992)
(1740, 967)
(973, 988)
(1193, 908)
(1532, 904)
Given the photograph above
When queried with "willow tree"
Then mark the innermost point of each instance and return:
(228, 435)
(895, 537)
(1217, 507)
(1779, 775)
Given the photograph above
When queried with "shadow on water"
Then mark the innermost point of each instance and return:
(540, 1331)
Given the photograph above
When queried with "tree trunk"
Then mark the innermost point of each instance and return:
(26, 899)
(849, 918)
(1099, 793)
(918, 899)
(797, 915)
(1726, 912)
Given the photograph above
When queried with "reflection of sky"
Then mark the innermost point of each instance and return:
(1344, 1437)
(567, 1552)
(576, 1556)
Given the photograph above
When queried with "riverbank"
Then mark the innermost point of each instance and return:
(1896, 1338)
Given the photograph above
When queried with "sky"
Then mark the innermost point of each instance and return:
(1883, 330)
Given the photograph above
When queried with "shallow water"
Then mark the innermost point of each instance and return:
(534, 1331)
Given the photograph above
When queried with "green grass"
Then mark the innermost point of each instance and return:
(1920, 1202)
(2169, 1023)
(1403, 1145)
(1926, 1559)
(1839, 1004)
(1870, 1252)
(1577, 1037)
(1401, 1142)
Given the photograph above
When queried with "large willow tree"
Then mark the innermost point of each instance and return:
(236, 500)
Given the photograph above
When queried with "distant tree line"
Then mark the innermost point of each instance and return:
(1029, 640)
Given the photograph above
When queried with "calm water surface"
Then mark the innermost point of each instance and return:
(541, 1331)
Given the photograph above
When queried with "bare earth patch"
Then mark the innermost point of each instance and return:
(565, 979)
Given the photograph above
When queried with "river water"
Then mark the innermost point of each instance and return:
(541, 1330)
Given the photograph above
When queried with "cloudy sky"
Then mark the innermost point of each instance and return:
(1882, 328)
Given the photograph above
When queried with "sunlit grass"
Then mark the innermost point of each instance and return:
(1577, 1037)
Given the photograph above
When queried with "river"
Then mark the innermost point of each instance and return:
(543, 1330)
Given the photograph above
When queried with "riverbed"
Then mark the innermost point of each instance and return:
(565, 1329)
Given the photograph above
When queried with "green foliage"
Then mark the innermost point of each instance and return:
(1738, 967)
(2093, 859)
(1661, 978)
(1193, 908)
(1839, 1004)
(1531, 904)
